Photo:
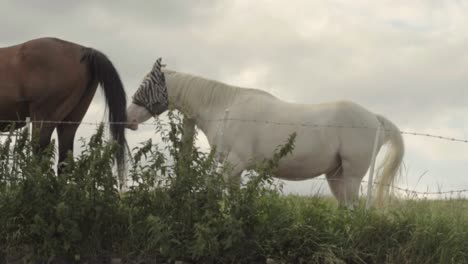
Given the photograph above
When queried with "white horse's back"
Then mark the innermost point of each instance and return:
(323, 130)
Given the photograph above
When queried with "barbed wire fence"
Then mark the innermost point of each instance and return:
(220, 145)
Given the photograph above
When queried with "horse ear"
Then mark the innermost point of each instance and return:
(157, 65)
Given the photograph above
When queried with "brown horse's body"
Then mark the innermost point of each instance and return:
(52, 80)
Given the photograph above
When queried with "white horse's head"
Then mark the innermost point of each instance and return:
(150, 99)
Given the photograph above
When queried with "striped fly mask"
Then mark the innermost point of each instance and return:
(152, 93)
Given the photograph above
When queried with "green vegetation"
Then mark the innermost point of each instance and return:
(182, 209)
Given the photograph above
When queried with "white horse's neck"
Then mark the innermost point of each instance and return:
(202, 99)
(194, 96)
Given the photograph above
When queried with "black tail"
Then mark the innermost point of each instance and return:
(103, 71)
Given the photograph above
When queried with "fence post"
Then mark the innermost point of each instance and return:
(29, 128)
(371, 170)
(220, 144)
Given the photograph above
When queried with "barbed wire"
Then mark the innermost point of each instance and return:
(462, 140)
(441, 137)
(375, 183)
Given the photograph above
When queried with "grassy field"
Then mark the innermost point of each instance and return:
(181, 209)
(407, 231)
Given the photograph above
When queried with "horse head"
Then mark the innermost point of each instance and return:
(151, 98)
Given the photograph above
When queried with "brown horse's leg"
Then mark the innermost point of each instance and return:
(44, 132)
(66, 132)
(66, 136)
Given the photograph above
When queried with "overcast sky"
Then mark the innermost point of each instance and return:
(407, 60)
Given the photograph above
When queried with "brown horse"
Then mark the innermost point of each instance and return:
(54, 81)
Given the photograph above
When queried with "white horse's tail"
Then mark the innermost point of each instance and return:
(390, 166)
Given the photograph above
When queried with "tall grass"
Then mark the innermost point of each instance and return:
(181, 208)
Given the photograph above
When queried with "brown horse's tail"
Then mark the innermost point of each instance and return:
(103, 71)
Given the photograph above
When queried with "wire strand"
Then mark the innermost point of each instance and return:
(441, 137)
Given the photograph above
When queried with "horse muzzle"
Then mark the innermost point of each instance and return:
(132, 125)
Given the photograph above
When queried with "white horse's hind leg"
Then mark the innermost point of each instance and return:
(335, 181)
(352, 175)
(345, 183)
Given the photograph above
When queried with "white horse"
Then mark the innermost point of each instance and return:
(335, 138)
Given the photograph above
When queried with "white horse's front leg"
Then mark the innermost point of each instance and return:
(234, 169)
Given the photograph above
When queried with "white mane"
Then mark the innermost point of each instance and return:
(205, 92)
